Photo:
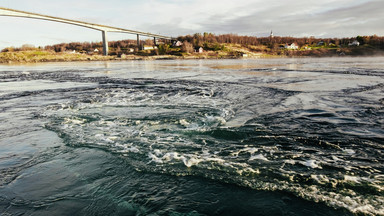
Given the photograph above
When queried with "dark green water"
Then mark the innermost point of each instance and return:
(228, 137)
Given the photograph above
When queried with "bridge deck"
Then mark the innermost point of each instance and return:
(17, 13)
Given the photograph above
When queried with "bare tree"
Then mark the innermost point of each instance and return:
(187, 47)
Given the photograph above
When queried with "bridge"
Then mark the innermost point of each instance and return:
(103, 28)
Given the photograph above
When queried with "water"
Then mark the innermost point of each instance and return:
(197, 137)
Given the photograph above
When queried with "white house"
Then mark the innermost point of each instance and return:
(291, 46)
(178, 44)
(354, 43)
(149, 47)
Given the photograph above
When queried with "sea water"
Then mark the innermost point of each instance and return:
(193, 137)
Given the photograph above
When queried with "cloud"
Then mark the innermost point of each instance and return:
(306, 20)
(326, 18)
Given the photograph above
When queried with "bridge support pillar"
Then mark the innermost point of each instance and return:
(138, 42)
(105, 43)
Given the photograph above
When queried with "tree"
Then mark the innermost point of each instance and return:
(187, 47)
(360, 39)
(163, 49)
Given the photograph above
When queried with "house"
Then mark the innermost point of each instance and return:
(321, 43)
(354, 43)
(200, 50)
(95, 51)
(291, 46)
(177, 44)
(149, 47)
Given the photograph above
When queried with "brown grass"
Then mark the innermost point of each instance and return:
(31, 56)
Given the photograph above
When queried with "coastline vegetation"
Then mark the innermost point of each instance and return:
(204, 46)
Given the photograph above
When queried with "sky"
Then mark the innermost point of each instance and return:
(297, 18)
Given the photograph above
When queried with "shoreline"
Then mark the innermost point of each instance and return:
(26, 57)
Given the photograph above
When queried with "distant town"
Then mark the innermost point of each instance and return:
(206, 45)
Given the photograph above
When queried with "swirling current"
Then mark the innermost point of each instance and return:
(193, 137)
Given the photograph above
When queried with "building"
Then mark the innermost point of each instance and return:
(149, 47)
(291, 46)
(354, 43)
(177, 44)
(91, 52)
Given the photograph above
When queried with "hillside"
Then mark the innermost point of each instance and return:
(199, 46)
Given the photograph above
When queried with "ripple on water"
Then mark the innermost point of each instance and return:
(186, 133)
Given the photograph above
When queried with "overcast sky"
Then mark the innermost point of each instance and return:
(298, 18)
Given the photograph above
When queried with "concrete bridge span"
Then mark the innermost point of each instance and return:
(103, 28)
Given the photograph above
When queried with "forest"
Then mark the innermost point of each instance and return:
(199, 39)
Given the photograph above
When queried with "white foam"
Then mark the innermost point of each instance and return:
(247, 149)
(188, 160)
(193, 161)
(311, 163)
(292, 162)
(154, 158)
(73, 121)
(258, 157)
(105, 139)
(349, 151)
(113, 138)
(132, 149)
(172, 156)
(213, 119)
(335, 158)
(251, 150)
(184, 122)
(221, 120)
(320, 178)
(352, 178)
(157, 152)
(99, 136)
(217, 160)
(248, 170)
(368, 208)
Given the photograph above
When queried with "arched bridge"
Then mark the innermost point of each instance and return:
(103, 28)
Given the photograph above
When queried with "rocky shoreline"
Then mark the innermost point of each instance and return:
(46, 56)
(37, 56)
